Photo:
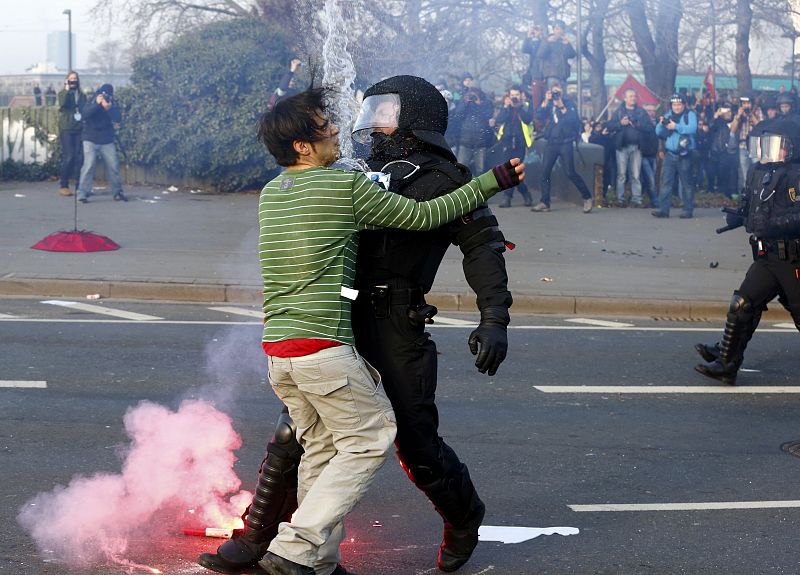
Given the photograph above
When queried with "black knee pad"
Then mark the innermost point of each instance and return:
(740, 306)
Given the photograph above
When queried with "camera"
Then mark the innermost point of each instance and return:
(515, 101)
(556, 94)
(106, 98)
(665, 121)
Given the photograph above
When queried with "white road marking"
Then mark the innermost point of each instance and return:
(6, 316)
(661, 389)
(599, 322)
(23, 384)
(784, 325)
(454, 322)
(102, 310)
(122, 321)
(519, 534)
(712, 505)
(239, 311)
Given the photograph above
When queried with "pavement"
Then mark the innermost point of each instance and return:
(189, 245)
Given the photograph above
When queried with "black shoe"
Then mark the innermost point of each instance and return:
(724, 372)
(505, 203)
(659, 214)
(83, 200)
(233, 556)
(277, 565)
(120, 197)
(709, 353)
(458, 543)
(341, 571)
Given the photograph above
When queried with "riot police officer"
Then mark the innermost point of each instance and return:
(405, 119)
(770, 212)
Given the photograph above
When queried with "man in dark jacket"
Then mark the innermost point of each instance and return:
(533, 77)
(472, 114)
(99, 115)
(554, 56)
(561, 126)
(394, 271)
(629, 123)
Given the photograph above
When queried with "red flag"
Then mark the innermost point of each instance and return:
(643, 93)
(708, 82)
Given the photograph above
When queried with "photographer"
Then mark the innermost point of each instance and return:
(70, 102)
(747, 117)
(677, 128)
(629, 124)
(99, 115)
(554, 56)
(514, 136)
(724, 152)
(472, 115)
(561, 127)
(533, 78)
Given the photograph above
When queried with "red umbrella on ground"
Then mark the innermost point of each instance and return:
(75, 240)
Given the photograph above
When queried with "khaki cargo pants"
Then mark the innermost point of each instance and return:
(345, 425)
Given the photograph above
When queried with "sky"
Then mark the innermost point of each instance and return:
(24, 26)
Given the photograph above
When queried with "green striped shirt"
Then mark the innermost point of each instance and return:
(308, 242)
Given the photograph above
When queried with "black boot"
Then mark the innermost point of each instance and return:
(739, 327)
(456, 500)
(526, 195)
(709, 353)
(274, 501)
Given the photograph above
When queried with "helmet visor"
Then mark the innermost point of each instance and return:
(754, 148)
(379, 111)
(775, 148)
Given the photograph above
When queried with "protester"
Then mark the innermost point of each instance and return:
(37, 95)
(50, 96)
(70, 103)
(601, 137)
(287, 86)
(99, 115)
(339, 461)
(533, 78)
(747, 117)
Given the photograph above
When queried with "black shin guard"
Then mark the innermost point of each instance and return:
(274, 501)
(740, 324)
(455, 499)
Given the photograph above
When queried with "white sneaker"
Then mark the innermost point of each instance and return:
(587, 205)
(540, 207)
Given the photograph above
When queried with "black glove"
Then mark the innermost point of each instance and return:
(506, 175)
(492, 339)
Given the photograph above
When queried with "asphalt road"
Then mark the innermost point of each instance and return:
(536, 452)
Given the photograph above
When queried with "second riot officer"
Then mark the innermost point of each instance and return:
(770, 212)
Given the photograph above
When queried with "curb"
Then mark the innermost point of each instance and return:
(680, 310)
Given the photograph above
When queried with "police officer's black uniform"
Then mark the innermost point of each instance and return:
(394, 271)
(770, 211)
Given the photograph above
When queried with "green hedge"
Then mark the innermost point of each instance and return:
(192, 107)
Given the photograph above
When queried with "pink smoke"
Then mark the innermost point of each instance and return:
(176, 461)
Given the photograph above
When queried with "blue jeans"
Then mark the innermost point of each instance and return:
(473, 158)
(629, 158)
(744, 165)
(676, 167)
(109, 153)
(649, 178)
(551, 153)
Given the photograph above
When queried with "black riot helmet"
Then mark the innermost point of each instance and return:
(407, 103)
(775, 141)
(785, 98)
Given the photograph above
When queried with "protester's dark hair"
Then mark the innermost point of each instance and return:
(515, 87)
(295, 118)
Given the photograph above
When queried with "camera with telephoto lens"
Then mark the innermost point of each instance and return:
(515, 101)
(106, 97)
(556, 94)
(665, 121)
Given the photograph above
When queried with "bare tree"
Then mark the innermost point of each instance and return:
(744, 20)
(110, 57)
(657, 49)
